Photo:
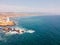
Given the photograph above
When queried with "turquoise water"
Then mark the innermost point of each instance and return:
(47, 31)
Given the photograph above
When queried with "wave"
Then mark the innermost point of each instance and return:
(30, 31)
(20, 30)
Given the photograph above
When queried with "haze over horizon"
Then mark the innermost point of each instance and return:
(45, 6)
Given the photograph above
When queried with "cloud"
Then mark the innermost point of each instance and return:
(15, 8)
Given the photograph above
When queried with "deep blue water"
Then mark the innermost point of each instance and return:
(47, 31)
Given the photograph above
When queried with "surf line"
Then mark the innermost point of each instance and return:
(17, 31)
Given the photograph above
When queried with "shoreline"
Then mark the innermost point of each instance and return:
(10, 14)
(17, 14)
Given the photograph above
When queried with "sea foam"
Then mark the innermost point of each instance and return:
(20, 29)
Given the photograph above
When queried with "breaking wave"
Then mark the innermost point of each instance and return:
(30, 31)
(20, 29)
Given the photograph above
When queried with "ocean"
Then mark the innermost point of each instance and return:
(47, 31)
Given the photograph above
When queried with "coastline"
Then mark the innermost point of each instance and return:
(19, 14)
(12, 14)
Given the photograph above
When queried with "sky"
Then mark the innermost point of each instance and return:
(48, 6)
